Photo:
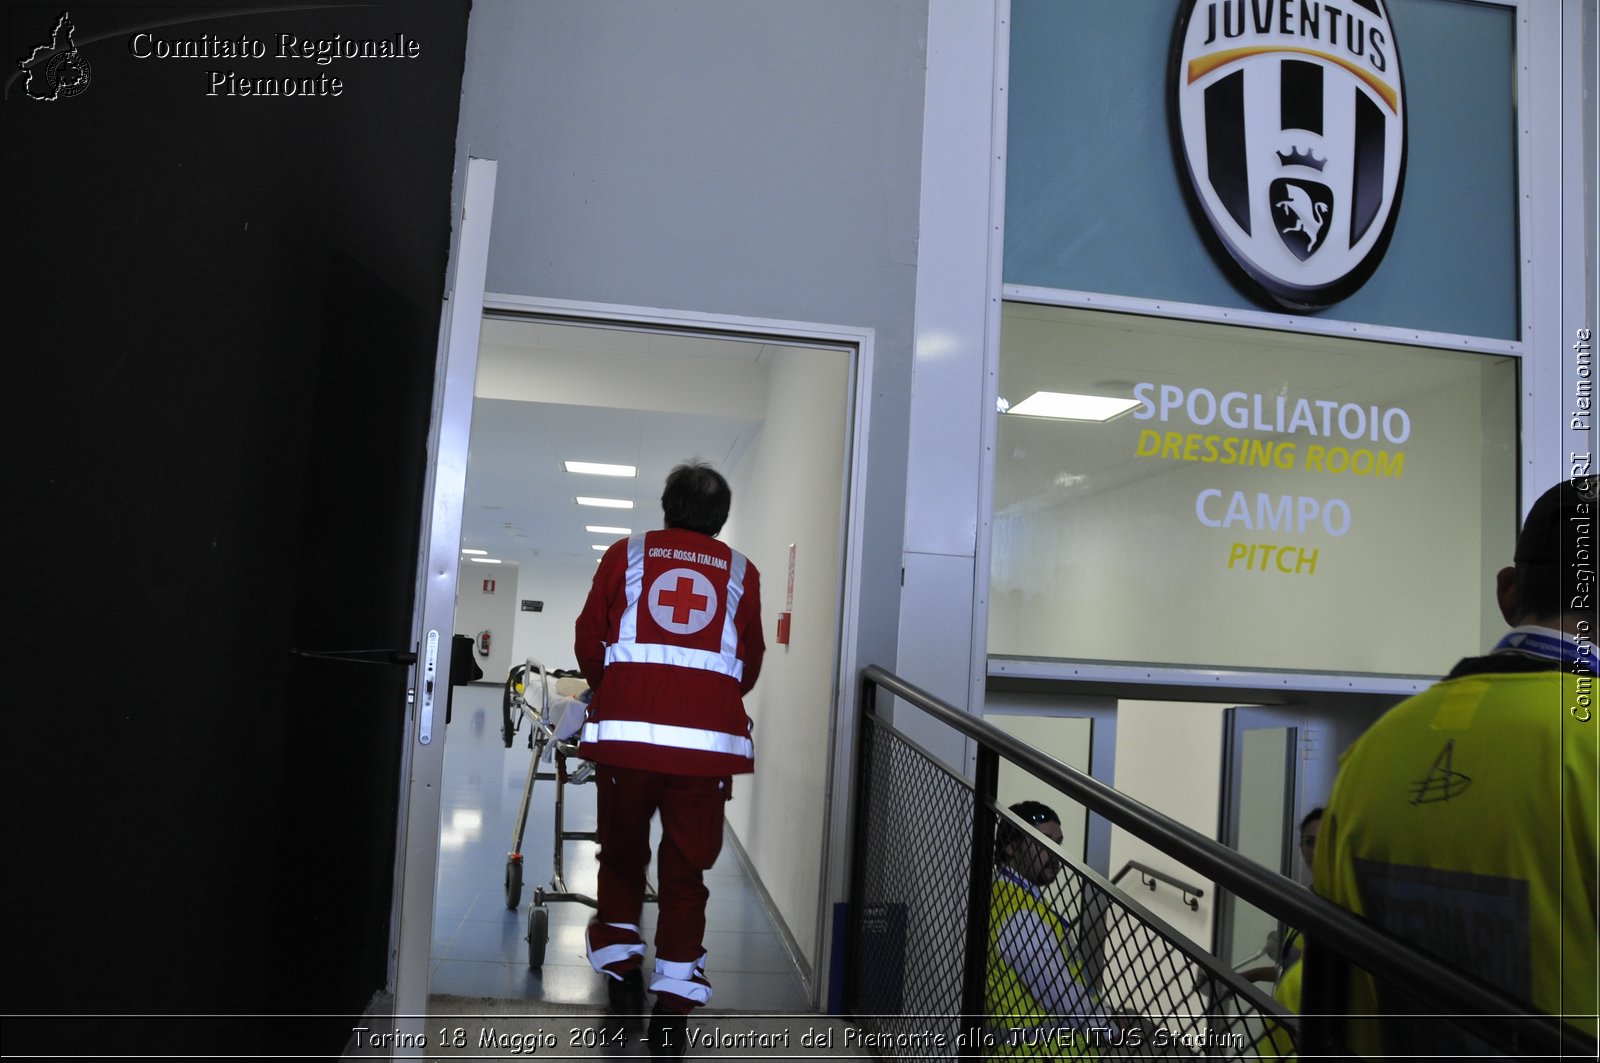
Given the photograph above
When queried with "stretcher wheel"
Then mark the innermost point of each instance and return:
(538, 935)
(513, 883)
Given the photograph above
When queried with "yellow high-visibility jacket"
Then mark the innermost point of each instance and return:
(1032, 977)
(1465, 821)
(1277, 1041)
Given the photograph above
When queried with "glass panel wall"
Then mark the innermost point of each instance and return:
(1261, 500)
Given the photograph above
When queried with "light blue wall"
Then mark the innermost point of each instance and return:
(743, 157)
(1094, 200)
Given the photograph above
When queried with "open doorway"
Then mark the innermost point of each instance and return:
(1259, 784)
(775, 417)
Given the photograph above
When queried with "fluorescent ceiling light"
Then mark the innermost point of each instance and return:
(601, 529)
(1066, 406)
(601, 546)
(595, 468)
(480, 553)
(484, 560)
(609, 503)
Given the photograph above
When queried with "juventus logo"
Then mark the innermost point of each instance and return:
(1291, 127)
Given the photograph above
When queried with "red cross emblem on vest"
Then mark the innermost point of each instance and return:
(682, 601)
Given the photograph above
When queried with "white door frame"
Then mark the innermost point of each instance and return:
(444, 490)
(422, 771)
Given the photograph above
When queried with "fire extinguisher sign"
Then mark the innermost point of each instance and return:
(488, 586)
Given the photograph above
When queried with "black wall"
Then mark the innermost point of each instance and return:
(221, 326)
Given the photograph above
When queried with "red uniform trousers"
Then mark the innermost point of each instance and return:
(691, 808)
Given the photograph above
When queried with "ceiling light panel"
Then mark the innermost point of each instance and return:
(1067, 406)
(607, 503)
(595, 468)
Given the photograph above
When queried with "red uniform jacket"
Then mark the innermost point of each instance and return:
(670, 640)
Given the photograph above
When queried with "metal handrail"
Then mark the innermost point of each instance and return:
(1191, 894)
(1471, 1003)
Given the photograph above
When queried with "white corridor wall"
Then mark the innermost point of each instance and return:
(789, 489)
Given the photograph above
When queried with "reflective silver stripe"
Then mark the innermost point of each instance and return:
(675, 969)
(730, 630)
(601, 958)
(627, 649)
(679, 979)
(633, 583)
(681, 656)
(672, 737)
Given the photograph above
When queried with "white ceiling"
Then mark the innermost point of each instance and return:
(547, 393)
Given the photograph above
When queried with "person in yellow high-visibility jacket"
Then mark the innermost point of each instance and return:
(1038, 1002)
(1277, 1042)
(1465, 820)
(1285, 971)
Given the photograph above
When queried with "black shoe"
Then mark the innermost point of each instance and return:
(669, 1033)
(625, 997)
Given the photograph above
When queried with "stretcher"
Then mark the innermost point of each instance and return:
(534, 696)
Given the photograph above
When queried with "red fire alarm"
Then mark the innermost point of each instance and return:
(788, 604)
(488, 586)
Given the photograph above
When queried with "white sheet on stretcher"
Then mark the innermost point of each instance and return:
(566, 716)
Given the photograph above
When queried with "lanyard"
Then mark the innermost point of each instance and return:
(1539, 642)
(1017, 880)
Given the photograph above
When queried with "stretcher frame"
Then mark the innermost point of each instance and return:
(517, 707)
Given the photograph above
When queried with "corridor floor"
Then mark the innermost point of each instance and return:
(479, 946)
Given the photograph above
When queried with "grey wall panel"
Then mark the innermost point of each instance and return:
(758, 159)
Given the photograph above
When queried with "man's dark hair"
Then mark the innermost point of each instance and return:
(1311, 817)
(1030, 812)
(696, 498)
(1556, 540)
